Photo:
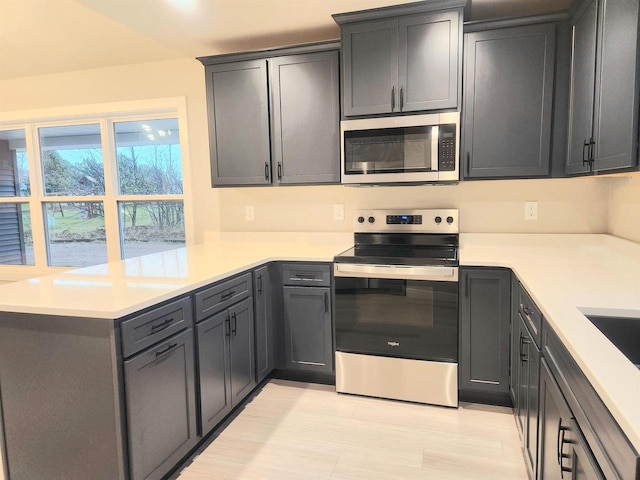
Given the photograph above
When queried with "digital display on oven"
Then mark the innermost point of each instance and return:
(404, 219)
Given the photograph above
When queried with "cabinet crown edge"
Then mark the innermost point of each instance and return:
(385, 13)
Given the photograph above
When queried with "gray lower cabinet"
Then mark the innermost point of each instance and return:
(308, 330)
(160, 406)
(485, 311)
(563, 449)
(238, 108)
(264, 326)
(508, 101)
(526, 326)
(603, 108)
(404, 63)
(274, 120)
(226, 361)
(528, 373)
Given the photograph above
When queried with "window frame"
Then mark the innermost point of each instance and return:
(106, 115)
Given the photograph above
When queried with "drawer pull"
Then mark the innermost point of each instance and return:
(169, 348)
(161, 326)
(301, 277)
(228, 295)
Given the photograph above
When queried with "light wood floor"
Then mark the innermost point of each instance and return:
(305, 431)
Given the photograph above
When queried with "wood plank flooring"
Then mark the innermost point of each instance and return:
(300, 431)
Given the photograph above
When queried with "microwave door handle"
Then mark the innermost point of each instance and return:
(435, 135)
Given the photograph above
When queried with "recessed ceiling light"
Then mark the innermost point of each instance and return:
(162, 133)
(151, 136)
(184, 4)
(146, 127)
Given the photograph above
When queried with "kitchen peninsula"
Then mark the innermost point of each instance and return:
(566, 275)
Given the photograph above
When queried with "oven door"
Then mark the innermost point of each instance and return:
(378, 313)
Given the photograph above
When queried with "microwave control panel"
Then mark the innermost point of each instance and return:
(447, 148)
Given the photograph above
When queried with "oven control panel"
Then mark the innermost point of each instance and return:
(418, 221)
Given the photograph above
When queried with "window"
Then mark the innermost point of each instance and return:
(91, 189)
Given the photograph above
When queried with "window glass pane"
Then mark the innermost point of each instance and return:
(72, 160)
(16, 241)
(14, 167)
(149, 227)
(148, 156)
(75, 234)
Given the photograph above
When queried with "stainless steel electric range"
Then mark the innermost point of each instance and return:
(396, 317)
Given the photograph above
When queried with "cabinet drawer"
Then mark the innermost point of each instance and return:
(144, 330)
(304, 274)
(222, 295)
(530, 313)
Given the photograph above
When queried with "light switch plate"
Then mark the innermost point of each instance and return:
(338, 211)
(249, 213)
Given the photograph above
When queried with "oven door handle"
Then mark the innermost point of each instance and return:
(401, 272)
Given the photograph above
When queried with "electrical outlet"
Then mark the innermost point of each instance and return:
(249, 213)
(338, 211)
(531, 210)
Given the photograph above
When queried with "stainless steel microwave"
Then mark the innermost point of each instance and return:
(408, 149)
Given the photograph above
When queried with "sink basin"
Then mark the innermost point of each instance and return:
(623, 332)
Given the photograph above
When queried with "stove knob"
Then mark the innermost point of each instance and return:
(360, 219)
(372, 219)
(449, 220)
(438, 220)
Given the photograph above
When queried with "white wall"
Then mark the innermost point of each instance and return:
(175, 78)
(624, 208)
(566, 205)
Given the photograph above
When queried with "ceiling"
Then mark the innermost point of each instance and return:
(51, 36)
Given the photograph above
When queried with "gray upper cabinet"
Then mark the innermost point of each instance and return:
(485, 311)
(275, 120)
(603, 109)
(238, 106)
(508, 100)
(401, 63)
(428, 64)
(305, 118)
(370, 67)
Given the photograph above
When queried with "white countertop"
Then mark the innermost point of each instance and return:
(564, 274)
(116, 289)
(568, 275)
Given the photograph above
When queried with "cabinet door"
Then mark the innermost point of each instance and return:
(616, 113)
(241, 351)
(532, 365)
(503, 68)
(265, 357)
(429, 61)
(239, 123)
(370, 68)
(214, 374)
(161, 416)
(563, 449)
(306, 118)
(583, 60)
(308, 330)
(524, 345)
(515, 345)
(555, 419)
(485, 313)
